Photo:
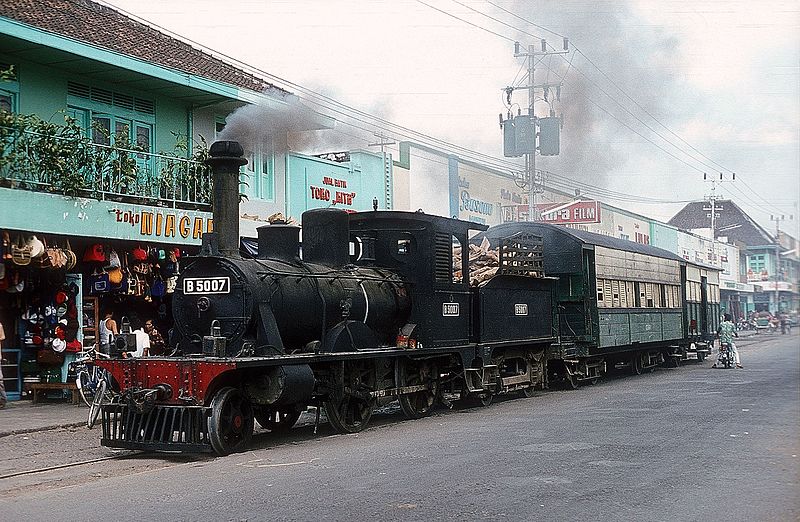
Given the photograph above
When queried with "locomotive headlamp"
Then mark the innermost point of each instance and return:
(125, 341)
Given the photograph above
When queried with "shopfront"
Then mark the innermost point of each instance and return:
(67, 262)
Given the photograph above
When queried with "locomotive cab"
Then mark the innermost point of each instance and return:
(419, 247)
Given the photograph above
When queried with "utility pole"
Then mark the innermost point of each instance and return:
(712, 211)
(777, 220)
(383, 142)
(530, 157)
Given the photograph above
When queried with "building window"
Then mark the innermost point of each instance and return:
(10, 88)
(8, 101)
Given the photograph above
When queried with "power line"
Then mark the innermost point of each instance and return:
(466, 21)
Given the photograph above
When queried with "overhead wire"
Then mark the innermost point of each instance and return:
(397, 129)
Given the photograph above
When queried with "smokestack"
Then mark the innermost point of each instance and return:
(226, 158)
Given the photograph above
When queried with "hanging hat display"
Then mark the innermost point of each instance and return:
(59, 345)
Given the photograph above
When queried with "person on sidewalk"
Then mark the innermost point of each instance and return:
(726, 332)
(3, 396)
(108, 329)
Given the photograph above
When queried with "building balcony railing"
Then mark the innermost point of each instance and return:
(79, 168)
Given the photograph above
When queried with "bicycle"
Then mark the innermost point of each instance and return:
(94, 384)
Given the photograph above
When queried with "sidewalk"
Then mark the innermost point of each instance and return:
(23, 417)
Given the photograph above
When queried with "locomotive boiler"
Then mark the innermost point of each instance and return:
(275, 303)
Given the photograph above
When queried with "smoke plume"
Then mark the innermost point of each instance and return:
(635, 57)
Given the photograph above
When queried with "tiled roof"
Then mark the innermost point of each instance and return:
(105, 27)
(732, 222)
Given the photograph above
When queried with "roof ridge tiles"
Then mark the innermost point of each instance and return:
(103, 26)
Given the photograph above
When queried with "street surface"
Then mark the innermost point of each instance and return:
(690, 443)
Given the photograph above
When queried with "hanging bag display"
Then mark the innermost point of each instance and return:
(94, 254)
(113, 259)
(98, 283)
(139, 254)
(159, 288)
(21, 253)
(36, 246)
(71, 258)
(5, 251)
(130, 280)
(138, 284)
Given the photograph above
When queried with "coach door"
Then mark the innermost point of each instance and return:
(703, 305)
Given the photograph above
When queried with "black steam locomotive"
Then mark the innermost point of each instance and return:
(381, 306)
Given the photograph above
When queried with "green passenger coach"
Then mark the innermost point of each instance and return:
(622, 303)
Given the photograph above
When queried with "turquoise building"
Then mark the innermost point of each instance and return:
(104, 125)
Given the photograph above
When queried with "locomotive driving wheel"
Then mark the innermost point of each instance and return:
(230, 425)
(415, 373)
(349, 406)
(277, 419)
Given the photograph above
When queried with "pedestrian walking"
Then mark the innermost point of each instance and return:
(3, 396)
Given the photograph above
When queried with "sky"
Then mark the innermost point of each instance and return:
(654, 93)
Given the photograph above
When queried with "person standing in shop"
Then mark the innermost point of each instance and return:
(108, 329)
(3, 396)
(157, 345)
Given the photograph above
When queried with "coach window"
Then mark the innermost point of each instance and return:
(615, 294)
(600, 292)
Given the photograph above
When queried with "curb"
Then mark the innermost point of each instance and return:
(41, 428)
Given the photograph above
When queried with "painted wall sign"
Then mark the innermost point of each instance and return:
(314, 182)
(570, 213)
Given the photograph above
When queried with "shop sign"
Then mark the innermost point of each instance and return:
(332, 191)
(166, 224)
(313, 182)
(56, 214)
(469, 204)
(757, 276)
(783, 286)
(575, 212)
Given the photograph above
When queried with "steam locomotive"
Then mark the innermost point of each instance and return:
(380, 307)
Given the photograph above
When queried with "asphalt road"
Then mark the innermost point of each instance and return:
(690, 443)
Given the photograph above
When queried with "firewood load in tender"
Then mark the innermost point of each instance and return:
(520, 256)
